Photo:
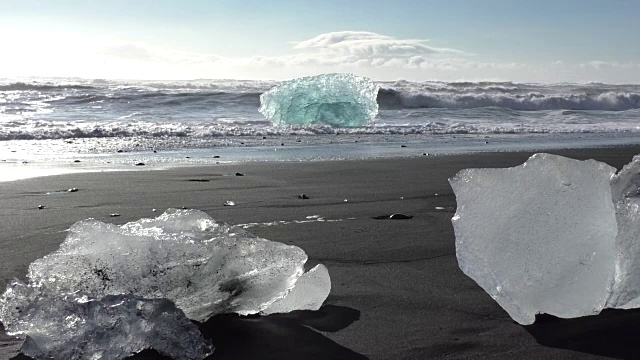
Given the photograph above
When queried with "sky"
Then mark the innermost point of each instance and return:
(453, 40)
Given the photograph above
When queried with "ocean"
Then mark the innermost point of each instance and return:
(58, 125)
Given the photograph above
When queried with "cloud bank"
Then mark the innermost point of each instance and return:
(342, 50)
(378, 56)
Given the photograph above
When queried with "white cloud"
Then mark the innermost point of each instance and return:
(139, 51)
(602, 65)
(364, 43)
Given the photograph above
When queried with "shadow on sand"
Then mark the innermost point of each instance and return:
(613, 333)
(277, 336)
(281, 336)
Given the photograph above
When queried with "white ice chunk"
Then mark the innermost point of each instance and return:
(624, 189)
(334, 99)
(77, 327)
(310, 292)
(627, 181)
(626, 291)
(205, 267)
(539, 237)
(109, 291)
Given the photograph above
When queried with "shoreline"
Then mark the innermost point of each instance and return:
(397, 281)
(23, 159)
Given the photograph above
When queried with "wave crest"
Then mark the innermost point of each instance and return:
(532, 101)
(21, 86)
(49, 131)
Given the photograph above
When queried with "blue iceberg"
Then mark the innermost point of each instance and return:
(341, 100)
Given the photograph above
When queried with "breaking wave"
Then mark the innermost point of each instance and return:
(501, 97)
(76, 108)
(52, 131)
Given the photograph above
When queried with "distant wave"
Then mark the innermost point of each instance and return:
(610, 100)
(21, 86)
(392, 95)
(475, 97)
(158, 98)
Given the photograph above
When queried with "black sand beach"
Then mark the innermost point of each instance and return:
(397, 291)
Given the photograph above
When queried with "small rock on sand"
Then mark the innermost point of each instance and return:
(396, 216)
(399, 216)
(303, 196)
(40, 207)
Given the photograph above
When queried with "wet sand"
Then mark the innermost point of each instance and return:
(397, 291)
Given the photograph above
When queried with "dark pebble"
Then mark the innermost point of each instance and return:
(396, 216)
(239, 174)
(399, 216)
(303, 196)
(140, 164)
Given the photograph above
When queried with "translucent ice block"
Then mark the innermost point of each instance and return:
(342, 100)
(539, 237)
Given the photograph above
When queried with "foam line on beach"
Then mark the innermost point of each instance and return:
(308, 219)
